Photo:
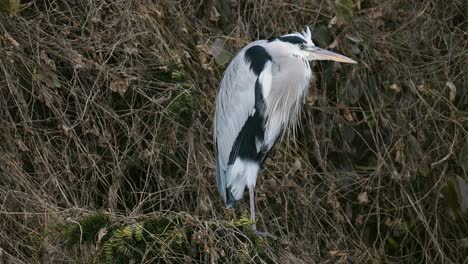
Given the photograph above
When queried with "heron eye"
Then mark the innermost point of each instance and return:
(302, 46)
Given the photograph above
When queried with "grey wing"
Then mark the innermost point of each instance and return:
(235, 102)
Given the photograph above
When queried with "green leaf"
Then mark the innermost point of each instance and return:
(9, 7)
(220, 52)
(392, 242)
(55, 80)
(344, 10)
(223, 57)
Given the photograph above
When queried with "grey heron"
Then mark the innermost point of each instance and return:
(261, 94)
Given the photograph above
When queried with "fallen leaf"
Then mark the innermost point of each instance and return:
(388, 222)
(154, 10)
(360, 219)
(375, 13)
(452, 90)
(343, 259)
(10, 39)
(77, 60)
(354, 39)
(120, 83)
(363, 198)
(66, 130)
(337, 253)
(297, 165)
(186, 54)
(190, 221)
(367, 66)
(394, 87)
(347, 115)
(101, 234)
(421, 88)
(333, 45)
(399, 153)
(332, 22)
(214, 14)
(203, 52)
(311, 99)
(21, 145)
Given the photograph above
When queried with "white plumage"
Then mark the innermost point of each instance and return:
(261, 94)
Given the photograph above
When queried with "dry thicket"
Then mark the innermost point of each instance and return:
(106, 148)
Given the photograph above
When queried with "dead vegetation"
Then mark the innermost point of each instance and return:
(106, 145)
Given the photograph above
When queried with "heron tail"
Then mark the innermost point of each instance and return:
(231, 200)
(220, 180)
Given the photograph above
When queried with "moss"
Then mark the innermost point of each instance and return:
(163, 73)
(245, 224)
(181, 108)
(166, 233)
(85, 230)
(161, 237)
(258, 248)
(145, 238)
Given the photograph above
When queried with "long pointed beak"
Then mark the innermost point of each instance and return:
(316, 53)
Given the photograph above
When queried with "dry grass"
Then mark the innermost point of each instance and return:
(107, 106)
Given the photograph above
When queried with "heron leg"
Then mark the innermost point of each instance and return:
(252, 217)
(252, 208)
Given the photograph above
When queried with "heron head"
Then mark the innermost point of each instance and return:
(302, 44)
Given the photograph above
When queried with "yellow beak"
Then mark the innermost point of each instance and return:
(316, 53)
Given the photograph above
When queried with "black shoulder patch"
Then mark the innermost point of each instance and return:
(273, 38)
(257, 56)
(293, 39)
(259, 100)
(253, 130)
(244, 146)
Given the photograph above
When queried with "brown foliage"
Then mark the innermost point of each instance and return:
(108, 105)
